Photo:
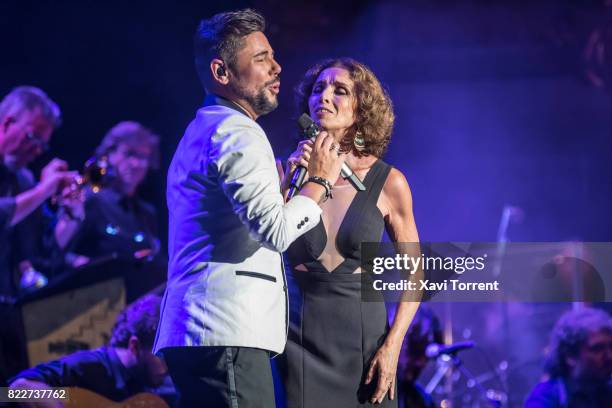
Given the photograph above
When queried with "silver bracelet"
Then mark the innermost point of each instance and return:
(322, 182)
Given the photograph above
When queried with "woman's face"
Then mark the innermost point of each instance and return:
(131, 164)
(332, 99)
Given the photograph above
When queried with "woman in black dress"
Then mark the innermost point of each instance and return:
(341, 352)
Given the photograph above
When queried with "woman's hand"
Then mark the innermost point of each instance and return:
(299, 157)
(384, 367)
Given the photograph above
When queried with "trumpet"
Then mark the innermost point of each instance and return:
(97, 173)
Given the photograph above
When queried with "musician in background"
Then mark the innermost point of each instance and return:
(117, 221)
(121, 370)
(579, 363)
(424, 330)
(28, 118)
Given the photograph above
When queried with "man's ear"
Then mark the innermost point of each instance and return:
(219, 71)
(134, 344)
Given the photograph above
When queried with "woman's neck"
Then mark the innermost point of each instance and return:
(358, 163)
(337, 134)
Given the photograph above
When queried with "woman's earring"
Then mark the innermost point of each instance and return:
(359, 141)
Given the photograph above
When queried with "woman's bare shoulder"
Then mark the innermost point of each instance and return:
(396, 186)
(395, 193)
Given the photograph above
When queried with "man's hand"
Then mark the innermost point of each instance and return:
(79, 260)
(23, 384)
(73, 202)
(55, 175)
(325, 159)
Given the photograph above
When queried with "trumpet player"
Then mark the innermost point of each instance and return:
(28, 118)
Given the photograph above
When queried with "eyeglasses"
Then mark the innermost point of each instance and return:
(44, 146)
(134, 153)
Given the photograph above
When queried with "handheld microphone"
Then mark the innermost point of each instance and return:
(435, 350)
(310, 130)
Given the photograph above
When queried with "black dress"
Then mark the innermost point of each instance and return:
(333, 335)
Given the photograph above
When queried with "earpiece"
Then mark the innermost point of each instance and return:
(221, 70)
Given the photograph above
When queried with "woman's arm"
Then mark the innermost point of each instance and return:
(401, 227)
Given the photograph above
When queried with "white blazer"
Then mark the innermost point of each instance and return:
(228, 224)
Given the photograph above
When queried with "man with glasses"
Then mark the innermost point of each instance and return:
(579, 362)
(27, 120)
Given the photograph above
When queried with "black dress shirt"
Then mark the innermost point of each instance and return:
(26, 240)
(558, 393)
(99, 371)
(115, 224)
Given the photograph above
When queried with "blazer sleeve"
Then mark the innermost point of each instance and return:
(248, 176)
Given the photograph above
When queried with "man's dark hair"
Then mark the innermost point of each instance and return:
(571, 332)
(222, 36)
(139, 319)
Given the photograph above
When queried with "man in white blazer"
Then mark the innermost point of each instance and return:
(225, 307)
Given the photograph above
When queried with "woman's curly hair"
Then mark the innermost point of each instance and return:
(374, 111)
(571, 332)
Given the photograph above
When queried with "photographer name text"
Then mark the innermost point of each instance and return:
(426, 285)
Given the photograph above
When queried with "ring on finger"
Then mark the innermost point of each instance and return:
(336, 148)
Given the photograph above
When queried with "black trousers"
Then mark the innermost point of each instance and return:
(219, 377)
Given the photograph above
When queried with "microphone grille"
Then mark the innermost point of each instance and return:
(305, 121)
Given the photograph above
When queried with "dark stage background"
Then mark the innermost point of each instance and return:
(498, 103)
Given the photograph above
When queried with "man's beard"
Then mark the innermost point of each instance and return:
(260, 102)
(141, 374)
